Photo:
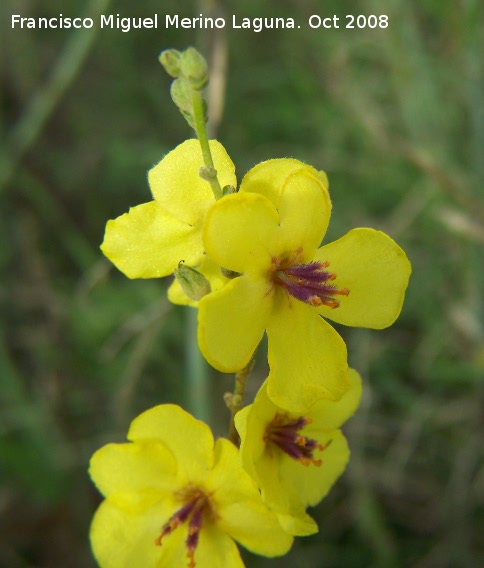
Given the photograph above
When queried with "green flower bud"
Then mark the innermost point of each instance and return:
(233, 401)
(181, 93)
(194, 67)
(170, 59)
(207, 173)
(193, 283)
(228, 189)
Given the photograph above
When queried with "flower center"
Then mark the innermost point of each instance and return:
(284, 432)
(196, 504)
(310, 283)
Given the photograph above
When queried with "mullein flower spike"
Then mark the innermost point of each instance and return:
(250, 259)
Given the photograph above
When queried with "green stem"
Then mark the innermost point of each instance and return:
(235, 400)
(198, 391)
(201, 130)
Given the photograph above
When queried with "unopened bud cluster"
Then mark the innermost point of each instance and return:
(190, 71)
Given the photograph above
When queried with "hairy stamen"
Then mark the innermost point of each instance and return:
(284, 432)
(310, 283)
(196, 505)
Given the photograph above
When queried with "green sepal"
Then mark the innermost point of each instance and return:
(193, 283)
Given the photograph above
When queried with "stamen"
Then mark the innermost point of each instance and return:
(283, 432)
(310, 283)
(193, 533)
(197, 503)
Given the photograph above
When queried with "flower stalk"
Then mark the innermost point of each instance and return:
(190, 71)
(209, 173)
(235, 400)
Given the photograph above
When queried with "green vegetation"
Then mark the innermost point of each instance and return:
(396, 119)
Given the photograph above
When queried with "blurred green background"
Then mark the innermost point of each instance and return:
(394, 116)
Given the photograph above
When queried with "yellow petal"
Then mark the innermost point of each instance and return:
(269, 177)
(177, 186)
(328, 414)
(228, 481)
(216, 549)
(132, 468)
(307, 357)
(312, 483)
(299, 193)
(251, 423)
(241, 420)
(241, 233)
(282, 495)
(189, 440)
(256, 528)
(231, 323)
(289, 487)
(239, 506)
(375, 270)
(302, 525)
(128, 541)
(122, 540)
(304, 210)
(148, 243)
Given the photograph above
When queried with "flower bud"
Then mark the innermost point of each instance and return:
(194, 67)
(181, 93)
(228, 190)
(170, 59)
(207, 173)
(193, 283)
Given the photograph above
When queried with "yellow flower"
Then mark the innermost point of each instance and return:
(174, 499)
(150, 240)
(269, 232)
(296, 459)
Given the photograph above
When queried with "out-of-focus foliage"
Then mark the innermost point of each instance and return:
(394, 116)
